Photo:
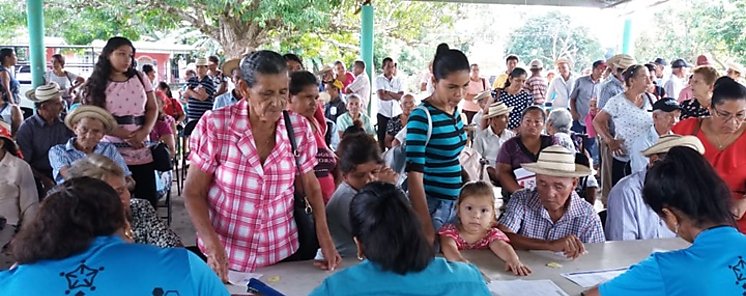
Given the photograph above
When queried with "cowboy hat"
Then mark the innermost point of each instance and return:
(622, 61)
(497, 109)
(44, 93)
(201, 62)
(483, 95)
(91, 112)
(557, 161)
(667, 142)
(735, 67)
(325, 69)
(229, 66)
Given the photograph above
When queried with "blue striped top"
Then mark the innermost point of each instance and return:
(196, 108)
(438, 161)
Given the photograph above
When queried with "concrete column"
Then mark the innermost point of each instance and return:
(35, 12)
(366, 45)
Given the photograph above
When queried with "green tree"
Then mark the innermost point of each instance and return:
(552, 36)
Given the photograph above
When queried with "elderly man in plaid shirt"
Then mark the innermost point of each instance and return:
(552, 216)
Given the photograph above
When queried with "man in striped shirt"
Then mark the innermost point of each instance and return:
(200, 92)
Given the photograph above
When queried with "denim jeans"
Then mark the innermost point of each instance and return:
(441, 211)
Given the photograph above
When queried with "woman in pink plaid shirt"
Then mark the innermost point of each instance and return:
(239, 188)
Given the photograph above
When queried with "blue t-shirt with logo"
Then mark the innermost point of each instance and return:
(111, 266)
(714, 265)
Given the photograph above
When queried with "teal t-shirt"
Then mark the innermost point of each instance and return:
(439, 278)
(111, 267)
(714, 265)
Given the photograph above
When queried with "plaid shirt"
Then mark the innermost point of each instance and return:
(250, 204)
(537, 87)
(525, 215)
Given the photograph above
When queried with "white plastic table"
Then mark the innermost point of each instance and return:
(300, 278)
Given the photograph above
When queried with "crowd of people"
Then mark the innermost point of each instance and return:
(288, 165)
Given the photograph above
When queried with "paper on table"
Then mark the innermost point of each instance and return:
(526, 288)
(587, 279)
(241, 278)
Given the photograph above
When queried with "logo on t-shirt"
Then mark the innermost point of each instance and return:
(83, 277)
(739, 269)
(161, 292)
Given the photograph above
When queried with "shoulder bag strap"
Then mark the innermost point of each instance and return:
(429, 123)
(294, 149)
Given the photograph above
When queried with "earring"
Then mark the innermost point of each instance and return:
(676, 229)
(359, 257)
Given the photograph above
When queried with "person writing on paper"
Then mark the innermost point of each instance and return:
(627, 216)
(397, 258)
(75, 246)
(239, 188)
(686, 192)
(552, 216)
(475, 229)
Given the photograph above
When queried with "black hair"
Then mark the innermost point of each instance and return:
(512, 57)
(261, 63)
(71, 216)
(630, 72)
(95, 87)
(214, 59)
(292, 57)
(685, 181)
(360, 64)
(388, 229)
(386, 60)
(164, 85)
(147, 68)
(10, 147)
(354, 129)
(727, 89)
(339, 63)
(534, 109)
(598, 63)
(4, 53)
(357, 149)
(448, 61)
(517, 72)
(300, 80)
(59, 58)
(650, 66)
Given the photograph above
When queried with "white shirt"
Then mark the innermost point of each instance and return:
(630, 122)
(674, 86)
(361, 87)
(388, 108)
(639, 162)
(561, 90)
(488, 144)
(64, 82)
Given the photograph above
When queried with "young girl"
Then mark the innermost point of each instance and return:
(476, 229)
(591, 144)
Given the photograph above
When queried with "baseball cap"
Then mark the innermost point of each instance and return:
(666, 105)
(660, 61)
(679, 63)
(536, 64)
(599, 63)
(702, 60)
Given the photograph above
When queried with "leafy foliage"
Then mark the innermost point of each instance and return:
(552, 36)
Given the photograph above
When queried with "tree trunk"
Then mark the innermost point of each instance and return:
(237, 38)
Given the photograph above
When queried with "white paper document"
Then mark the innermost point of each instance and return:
(241, 278)
(525, 288)
(587, 279)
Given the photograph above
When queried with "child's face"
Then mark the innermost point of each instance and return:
(594, 107)
(362, 175)
(476, 213)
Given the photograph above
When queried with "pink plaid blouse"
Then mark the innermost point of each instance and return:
(250, 205)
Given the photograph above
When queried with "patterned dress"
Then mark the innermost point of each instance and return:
(519, 101)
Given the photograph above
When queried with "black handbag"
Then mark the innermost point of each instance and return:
(302, 211)
(161, 157)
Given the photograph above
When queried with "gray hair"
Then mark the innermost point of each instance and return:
(560, 120)
(98, 167)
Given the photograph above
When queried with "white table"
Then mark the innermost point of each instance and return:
(300, 278)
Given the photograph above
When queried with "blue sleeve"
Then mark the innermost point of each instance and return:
(204, 280)
(58, 159)
(321, 290)
(643, 278)
(512, 218)
(114, 154)
(415, 141)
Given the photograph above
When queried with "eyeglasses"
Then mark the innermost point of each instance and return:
(740, 116)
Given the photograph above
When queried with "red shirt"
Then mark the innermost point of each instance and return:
(171, 107)
(347, 80)
(250, 203)
(730, 163)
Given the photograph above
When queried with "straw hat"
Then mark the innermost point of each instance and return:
(201, 62)
(557, 161)
(483, 95)
(229, 66)
(667, 142)
(325, 69)
(91, 112)
(622, 61)
(735, 67)
(44, 93)
(497, 109)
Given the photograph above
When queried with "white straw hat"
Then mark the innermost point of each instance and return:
(44, 93)
(667, 142)
(497, 109)
(557, 161)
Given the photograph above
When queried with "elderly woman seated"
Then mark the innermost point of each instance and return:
(552, 216)
(144, 225)
(558, 126)
(19, 199)
(397, 258)
(75, 246)
(90, 124)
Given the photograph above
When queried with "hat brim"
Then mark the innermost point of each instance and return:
(229, 66)
(537, 168)
(496, 114)
(482, 95)
(659, 148)
(91, 112)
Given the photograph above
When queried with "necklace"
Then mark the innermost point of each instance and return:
(720, 144)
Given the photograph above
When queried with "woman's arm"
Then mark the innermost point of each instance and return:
(16, 118)
(151, 115)
(389, 140)
(195, 199)
(601, 125)
(419, 202)
(6, 83)
(170, 141)
(450, 250)
(313, 194)
(505, 176)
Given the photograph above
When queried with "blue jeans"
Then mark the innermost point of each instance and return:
(441, 211)
(589, 143)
